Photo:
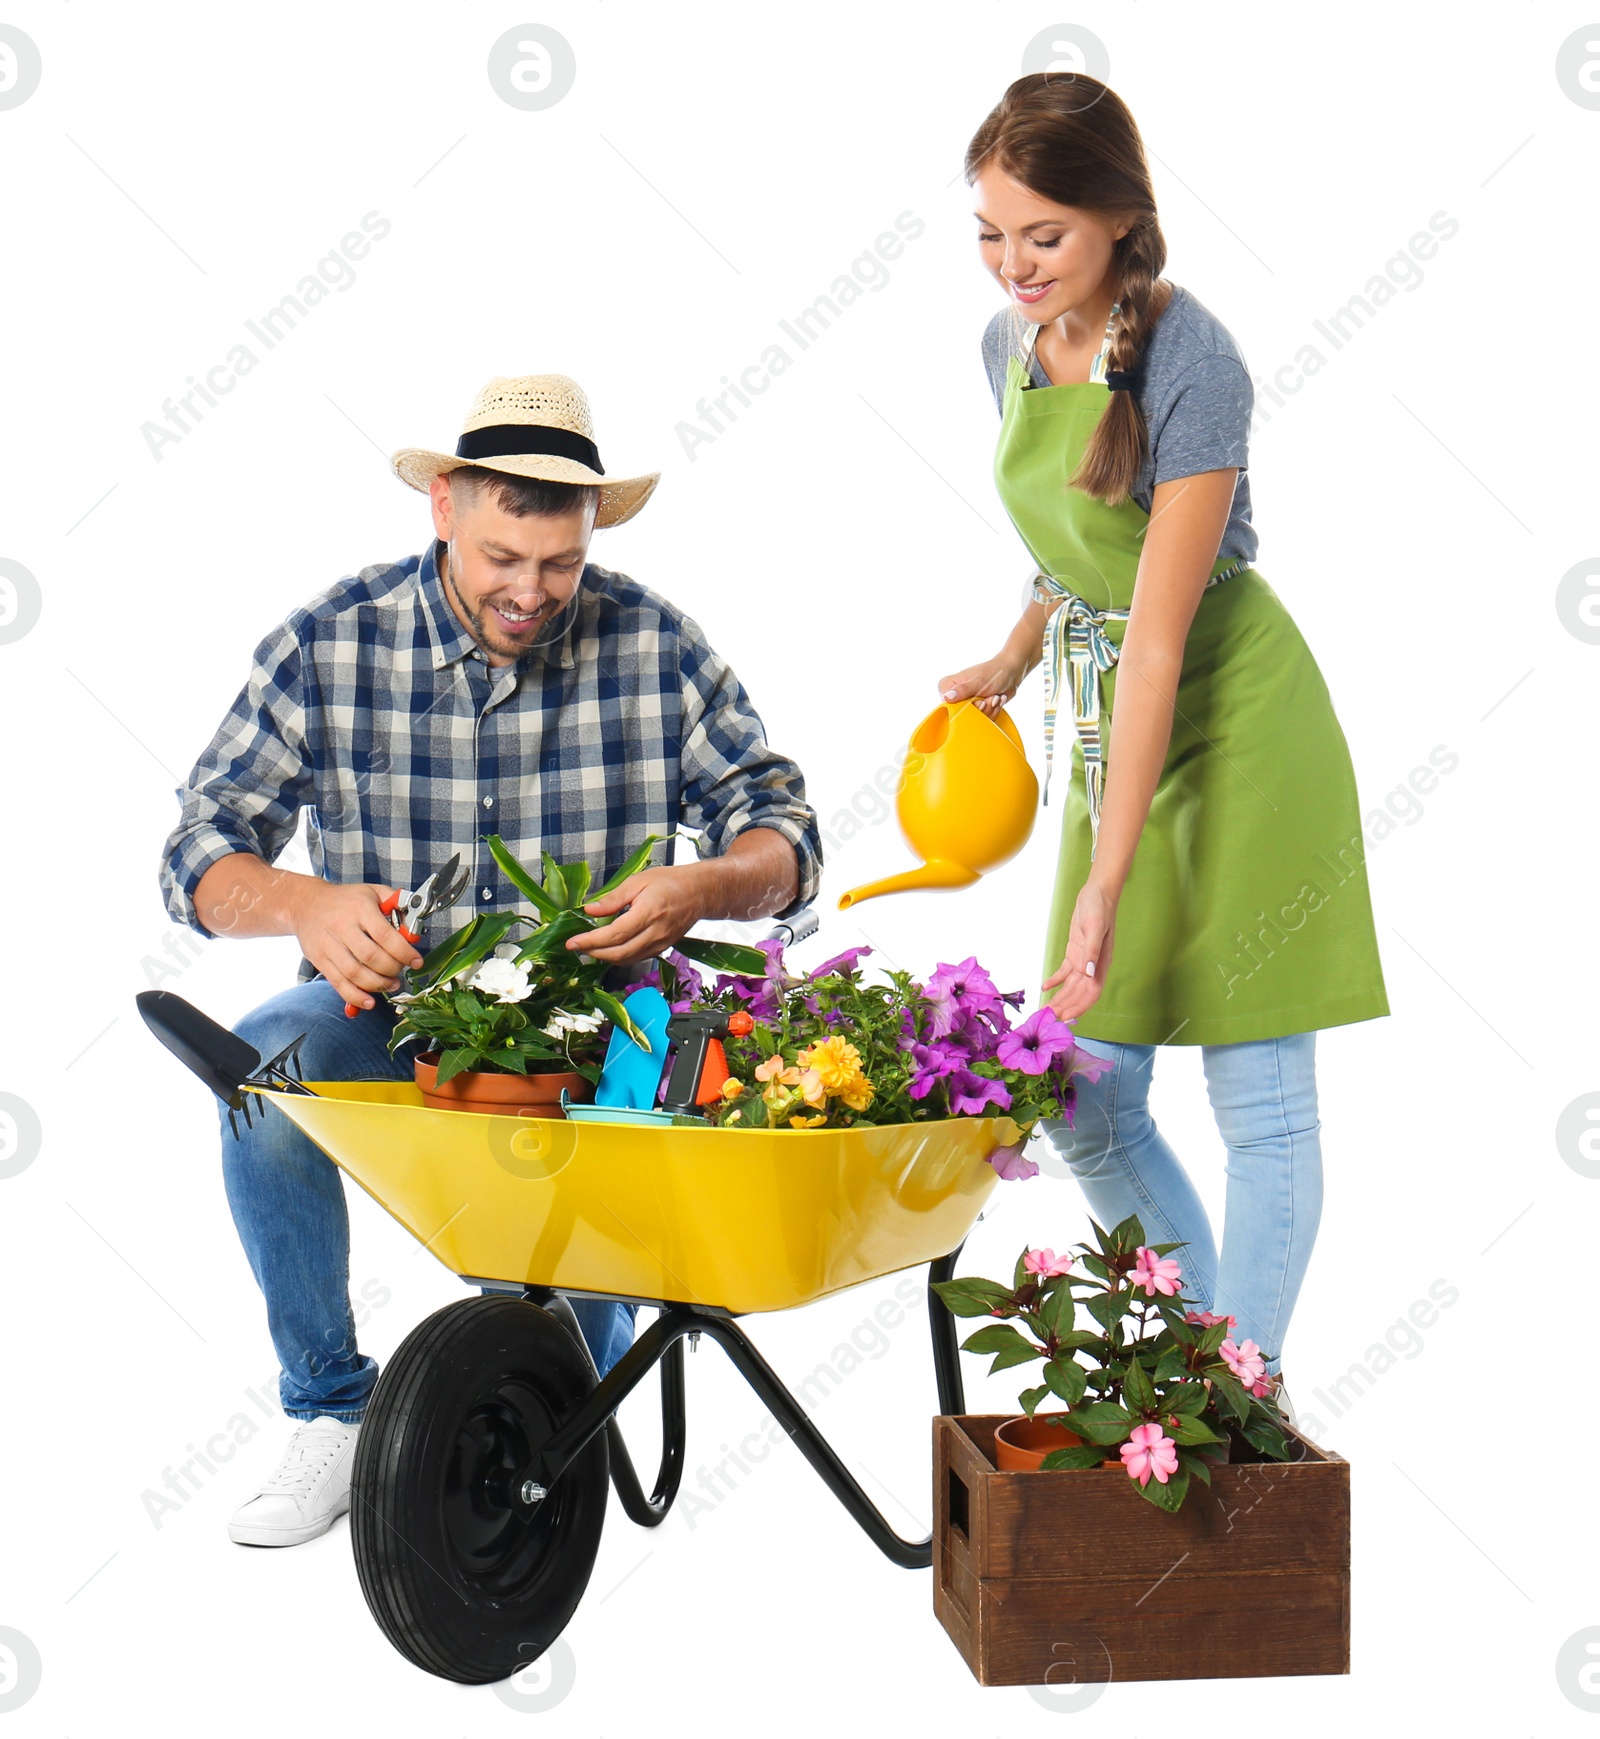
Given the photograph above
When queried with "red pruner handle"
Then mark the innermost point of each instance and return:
(351, 1011)
(713, 1074)
(389, 901)
(412, 936)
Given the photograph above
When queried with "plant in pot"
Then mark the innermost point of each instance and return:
(831, 1049)
(510, 1022)
(1145, 1377)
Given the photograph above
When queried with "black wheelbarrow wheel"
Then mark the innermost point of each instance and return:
(468, 1573)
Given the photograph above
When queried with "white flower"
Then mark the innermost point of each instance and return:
(563, 1022)
(501, 979)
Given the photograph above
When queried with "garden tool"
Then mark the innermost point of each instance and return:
(231, 1068)
(966, 803)
(409, 912)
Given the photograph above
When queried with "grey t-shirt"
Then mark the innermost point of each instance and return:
(1196, 397)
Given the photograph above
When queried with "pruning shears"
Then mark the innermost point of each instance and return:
(409, 912)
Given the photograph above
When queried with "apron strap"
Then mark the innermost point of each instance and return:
(1078, 650)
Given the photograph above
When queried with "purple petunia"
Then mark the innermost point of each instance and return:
(1034, 1045)
(969, 1093)
(957, 990)
(849, 961)
(1012, 1163)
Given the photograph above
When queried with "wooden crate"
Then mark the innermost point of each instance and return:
(1066, 1578)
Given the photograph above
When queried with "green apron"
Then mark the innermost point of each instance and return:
(1246, 913)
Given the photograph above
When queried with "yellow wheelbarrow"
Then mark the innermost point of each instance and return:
(479, 1483)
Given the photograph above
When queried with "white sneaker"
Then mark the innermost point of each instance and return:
(309, 1490)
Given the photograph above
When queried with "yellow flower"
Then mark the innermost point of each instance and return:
(731, 1089)
(806, 1122)
(836, 1060)
(858, 1095)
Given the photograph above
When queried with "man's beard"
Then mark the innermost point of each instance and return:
(486, 629)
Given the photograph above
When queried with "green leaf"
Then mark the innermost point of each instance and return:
(1127, 1236)
(1101, 1422)
(992, 1339)
(549, 941)
(1230, 1395)
(1196, 1464)
(1213, 1337)
(969, 1297)
(631, 867)
(1017, 1355)
(1171, 1495)
(1076, 1338)
(1137, 1389)
(731, 957)
(1056, 1308)
(555, 881)
(1261, 1434)
(609, 1005)
(519, 877)
(456, 1062)
(1030, 1398)
(486, 931)
(1066, 1378)
(1074, 1455)
(577, 877)
(1191, 1430)
(1187, 1398)
(1107, 1308)
(1171, 1365)
(436, 956)
(469, 1006)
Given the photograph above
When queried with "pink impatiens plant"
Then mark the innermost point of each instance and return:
(1133, 1361)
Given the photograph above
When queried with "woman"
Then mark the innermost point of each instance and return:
(1212, 832)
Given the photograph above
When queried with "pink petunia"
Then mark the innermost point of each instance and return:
(1150, 1451)
(1046, 1262)
(1209, 1318)
(1156, 1274)
(1012, 1163)
(1247, 1364)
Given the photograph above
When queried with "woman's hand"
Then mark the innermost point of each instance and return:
(989, 685)
(1078, 981)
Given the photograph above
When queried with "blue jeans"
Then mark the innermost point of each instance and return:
(287, 1199)
(1264, 1097)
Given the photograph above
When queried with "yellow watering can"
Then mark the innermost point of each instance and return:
(967, 801)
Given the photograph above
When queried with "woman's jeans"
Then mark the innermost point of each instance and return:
(1264, 1096)
(288, 1203)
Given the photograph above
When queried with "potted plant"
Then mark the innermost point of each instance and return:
(1052, 1550)
(513, 1022)
(1139, 1369)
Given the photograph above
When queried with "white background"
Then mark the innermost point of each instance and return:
(712, 171)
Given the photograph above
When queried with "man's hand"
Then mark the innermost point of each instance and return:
(663, 906)
(757, 875)
(345, 934)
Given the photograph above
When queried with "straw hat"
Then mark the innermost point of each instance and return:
(537, 425)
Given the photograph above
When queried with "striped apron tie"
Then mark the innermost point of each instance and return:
(1077, 647)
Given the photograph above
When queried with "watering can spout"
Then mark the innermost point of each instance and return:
(940, 873)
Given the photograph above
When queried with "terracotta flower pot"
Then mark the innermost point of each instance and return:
(1021, 1444)
(498, 1093)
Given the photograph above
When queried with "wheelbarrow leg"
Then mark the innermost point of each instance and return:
(946, 1350)
(648, 1512)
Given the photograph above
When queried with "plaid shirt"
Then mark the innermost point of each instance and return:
(374, 710)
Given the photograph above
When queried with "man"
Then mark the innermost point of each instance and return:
(497, 683)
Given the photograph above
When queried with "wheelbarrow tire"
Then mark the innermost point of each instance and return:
(464, 1577)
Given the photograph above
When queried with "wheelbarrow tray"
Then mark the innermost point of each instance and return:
(735, 1220)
